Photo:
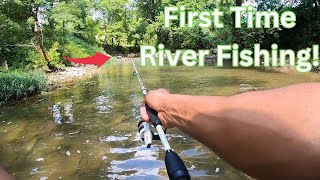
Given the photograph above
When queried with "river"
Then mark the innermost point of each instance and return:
(88, 130)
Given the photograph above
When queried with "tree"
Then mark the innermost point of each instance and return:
(15, 30)
(149, 9)
(39, 37)
(235, 32)
(115, 17)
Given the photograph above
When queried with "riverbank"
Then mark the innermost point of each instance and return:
(17, 84)
(69, 75)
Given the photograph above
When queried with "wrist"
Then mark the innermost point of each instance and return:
(176, 109)
(183, 110)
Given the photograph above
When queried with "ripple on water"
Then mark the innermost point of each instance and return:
(118, 154)
(112, 138)
(196, 153)
(136, 164)
(102, 105)
(137, 177)
(198, 173)
(136, 169)
(62, 113)
(136, 149)
(56, 114)
(69, 112)
(144, 165)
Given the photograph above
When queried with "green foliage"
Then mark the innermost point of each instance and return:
(66, 18)
(151, 36)
(77, 27)
(62, 23)
(306, 31)
(115, 17)
(66, 28)
(35, 60)
(153, 32)
(15, 84)
(78, 48)
(13, 33)
(149, 10)
(137, 31)
(54, 55)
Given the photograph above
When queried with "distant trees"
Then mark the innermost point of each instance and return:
(36, 33)
(78, 27)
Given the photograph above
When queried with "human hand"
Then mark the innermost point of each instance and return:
(157, 99)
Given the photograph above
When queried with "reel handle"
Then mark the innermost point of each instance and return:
(153, 115)
(175, 167)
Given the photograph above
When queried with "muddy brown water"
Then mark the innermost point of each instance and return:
(88, 130)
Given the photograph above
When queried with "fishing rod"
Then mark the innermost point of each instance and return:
(175, 167)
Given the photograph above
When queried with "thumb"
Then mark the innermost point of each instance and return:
(156, 98)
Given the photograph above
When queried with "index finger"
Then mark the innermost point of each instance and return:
(144, 114)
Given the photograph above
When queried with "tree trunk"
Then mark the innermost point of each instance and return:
(153, 18)
(118, 46)
(135, 45)
(235, 31)
(39, 39)
(5, 65)
(316, 3)
(105, 34)
(64, 33)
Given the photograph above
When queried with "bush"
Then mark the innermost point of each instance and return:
(16, 84)
(35, 60)
(77, 48)
(54, 55)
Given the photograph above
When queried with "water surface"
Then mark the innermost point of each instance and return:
(88, 130)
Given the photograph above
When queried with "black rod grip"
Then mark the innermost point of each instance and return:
(153, 116)
(175, 167)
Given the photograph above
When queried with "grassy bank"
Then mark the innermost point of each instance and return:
(16, 84)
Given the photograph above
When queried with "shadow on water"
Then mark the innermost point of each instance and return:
(88, 130)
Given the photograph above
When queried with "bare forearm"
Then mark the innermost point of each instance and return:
(266, 134)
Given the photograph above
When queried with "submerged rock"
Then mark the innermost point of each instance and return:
(40, 159)
(247, 88)
(217, 170)
(68, 153)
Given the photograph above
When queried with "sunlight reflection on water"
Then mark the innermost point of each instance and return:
(96, 123)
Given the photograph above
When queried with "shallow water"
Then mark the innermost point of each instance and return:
(88, 130)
